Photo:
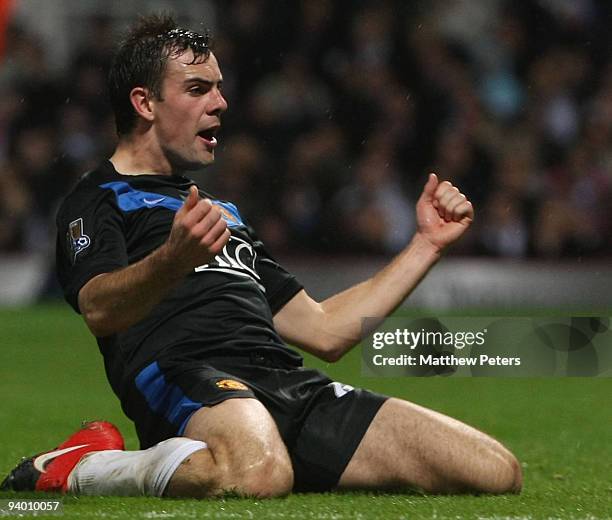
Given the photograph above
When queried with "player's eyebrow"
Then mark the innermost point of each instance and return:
(202, 81)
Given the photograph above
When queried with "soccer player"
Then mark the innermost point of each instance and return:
(192, 314)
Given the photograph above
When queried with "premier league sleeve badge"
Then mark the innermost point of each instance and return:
(77, 240)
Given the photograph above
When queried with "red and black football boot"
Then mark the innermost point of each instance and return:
(49, 471)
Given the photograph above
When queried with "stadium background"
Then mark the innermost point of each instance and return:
(337, 111)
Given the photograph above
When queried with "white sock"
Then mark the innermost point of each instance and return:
(131, 473)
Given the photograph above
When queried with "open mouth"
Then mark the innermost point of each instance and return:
(208, 136)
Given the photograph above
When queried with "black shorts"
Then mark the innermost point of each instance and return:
(321, 421)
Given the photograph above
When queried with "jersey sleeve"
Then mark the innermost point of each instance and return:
(90, 240)
(280, 285)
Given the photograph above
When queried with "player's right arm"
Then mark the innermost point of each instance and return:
(112, 302)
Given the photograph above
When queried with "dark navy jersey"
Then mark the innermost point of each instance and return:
(223, 308)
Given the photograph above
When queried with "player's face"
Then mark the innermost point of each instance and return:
(189, 113)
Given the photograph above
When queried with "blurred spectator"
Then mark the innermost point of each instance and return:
(316, 168)
(573, 217)
(460, 161)
(14, 210)
(374, 214)
(289, 101)
(555, 78)
(504, 230)
(24, 58)
(45, 176)
(242, 173)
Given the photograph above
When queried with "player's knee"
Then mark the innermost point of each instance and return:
(263, 472)
(498, 472)
(513, 475)
(271, 476)
(502, 475)
(266, 474)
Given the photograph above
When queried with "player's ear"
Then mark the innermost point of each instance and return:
(141, 100)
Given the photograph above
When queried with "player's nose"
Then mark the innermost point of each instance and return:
(218, 103)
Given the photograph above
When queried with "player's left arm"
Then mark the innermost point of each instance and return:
(330, 328)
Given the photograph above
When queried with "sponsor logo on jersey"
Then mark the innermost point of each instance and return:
(238, 258)
(77, 240)
(231, 384)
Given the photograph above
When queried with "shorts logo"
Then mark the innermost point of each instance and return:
(77, 240)
(230, 384)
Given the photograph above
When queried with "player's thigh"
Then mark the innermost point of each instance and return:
(237, 430)
(409, 445)
(245, 453)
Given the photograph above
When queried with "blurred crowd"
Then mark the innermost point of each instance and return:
(339, 108)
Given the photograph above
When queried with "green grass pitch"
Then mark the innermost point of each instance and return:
(51, 378)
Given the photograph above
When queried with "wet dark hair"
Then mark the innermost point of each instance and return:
(141, 58)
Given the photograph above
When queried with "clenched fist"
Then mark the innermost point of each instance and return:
(443, 213)
(198, 232)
